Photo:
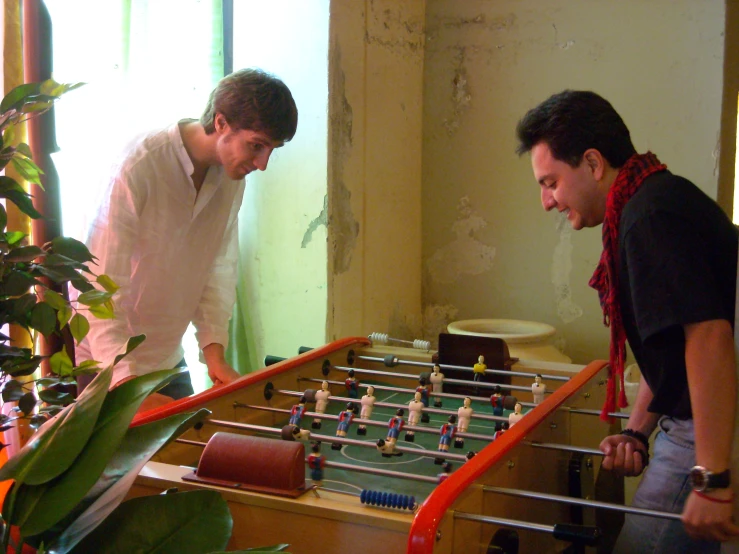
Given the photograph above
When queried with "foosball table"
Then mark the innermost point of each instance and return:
(365, 448)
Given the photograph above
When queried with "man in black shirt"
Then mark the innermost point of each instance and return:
(666, 281)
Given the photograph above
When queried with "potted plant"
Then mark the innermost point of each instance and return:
(70, 478)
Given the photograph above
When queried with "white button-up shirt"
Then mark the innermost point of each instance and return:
(171, 250)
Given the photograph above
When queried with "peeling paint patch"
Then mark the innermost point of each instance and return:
(567, 310)
(561, 45)
(344, 228)
(461, 95)
(465, 255)
(500, 23)
(435, 319)
(322, 219)
(396, 32)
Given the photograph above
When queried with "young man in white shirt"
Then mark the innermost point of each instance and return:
(166, 231)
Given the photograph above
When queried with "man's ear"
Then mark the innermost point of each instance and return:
(596, 162)
(220, 122)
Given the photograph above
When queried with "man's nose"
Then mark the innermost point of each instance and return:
(547, 200)
(261, 161)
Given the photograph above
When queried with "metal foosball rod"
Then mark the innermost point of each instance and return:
(581, 502)
(580, 534)
(339, 465)
(380, 404)
(338, 440)
(476, 384)
(373, 423)
(392, 361)
(482, 399)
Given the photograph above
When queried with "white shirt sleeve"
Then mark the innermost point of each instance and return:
(219, 295)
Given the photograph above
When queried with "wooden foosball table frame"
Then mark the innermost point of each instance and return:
(459, 516)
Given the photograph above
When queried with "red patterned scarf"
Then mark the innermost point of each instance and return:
(605, 279)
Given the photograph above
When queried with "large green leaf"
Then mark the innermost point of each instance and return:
(63, 494)
(139, 444)
(18, 96)
(191, 522)
(43, 318)
(71, 248)
(54, 447)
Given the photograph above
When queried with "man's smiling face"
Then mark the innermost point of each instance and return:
(574, 191)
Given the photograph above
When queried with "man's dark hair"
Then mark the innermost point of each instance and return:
(255, 100)
(571, 122)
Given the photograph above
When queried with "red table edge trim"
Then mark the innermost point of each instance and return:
(195, 402)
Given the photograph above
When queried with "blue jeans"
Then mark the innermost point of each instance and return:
(665, 487)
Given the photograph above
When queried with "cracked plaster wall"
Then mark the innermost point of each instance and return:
(498, 254)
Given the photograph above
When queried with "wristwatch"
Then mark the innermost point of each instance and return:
(704, 480)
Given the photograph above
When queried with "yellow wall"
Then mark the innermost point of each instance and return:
(374, 177)
(452, 78)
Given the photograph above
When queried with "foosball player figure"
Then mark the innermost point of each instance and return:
(316, 463)
(345, 420)
(516, 416)
(497, 400)
(538, 389)
(423, 388)
(368, 404)
(352, 385)
(321, 403)
(394, 427)
(500, 428)
(479, 369)
(299, 434)
(415, 412)
(437, 384)
(464, 414)
(446, 434)
(446, 469)
(296, 414)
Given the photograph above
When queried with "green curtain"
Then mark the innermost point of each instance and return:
(241, 351)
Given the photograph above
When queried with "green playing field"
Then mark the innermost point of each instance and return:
(408, 463)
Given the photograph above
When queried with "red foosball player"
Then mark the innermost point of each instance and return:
(446, 435)
(352, 385)
(296, 414)
(500, 428)
(345, 420)
(394, 427)
(446, 469)
(316, 463)
(423, 387)
(497, 400)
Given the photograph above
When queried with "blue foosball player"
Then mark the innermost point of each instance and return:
(345, 420)
(316, 463)
(497, 400)
(446, 435)
(297, 411)
(423, 388)
(352, 385)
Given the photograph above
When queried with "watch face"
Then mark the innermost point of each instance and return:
(698, 478)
